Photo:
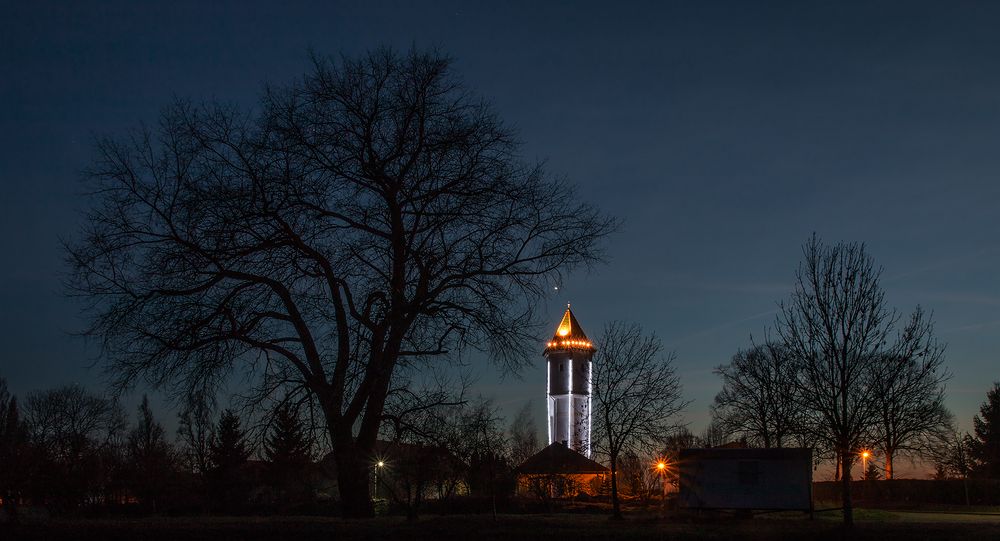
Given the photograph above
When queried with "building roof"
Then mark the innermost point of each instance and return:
(569, 335)
(559, 459)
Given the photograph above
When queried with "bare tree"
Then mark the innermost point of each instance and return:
(756, 397)
(681, 438)
(839, 329)
(715, 435)
(523, 435)
(372, 214)
(76, 436)
(836, 326)
(638, 476)
(151, 459)
(637, 396)
(909, 392)
(195, 430)
(952, 455)
(436, 442)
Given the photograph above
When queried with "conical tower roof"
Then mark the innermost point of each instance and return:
(569, 335)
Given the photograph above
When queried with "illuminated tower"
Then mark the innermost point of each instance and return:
(568, 356)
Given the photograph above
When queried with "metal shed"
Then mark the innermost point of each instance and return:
(763, 479)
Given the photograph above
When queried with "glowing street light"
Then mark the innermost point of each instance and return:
(661, 471)
(378, 465)
(864, 463)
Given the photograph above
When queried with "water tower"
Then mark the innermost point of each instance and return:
(568, 356)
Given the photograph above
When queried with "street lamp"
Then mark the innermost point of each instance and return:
(378, 465)
(661, 470)
(864, 464)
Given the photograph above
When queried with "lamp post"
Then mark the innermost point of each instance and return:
(661, 468)
(864, 464)
(378, 465)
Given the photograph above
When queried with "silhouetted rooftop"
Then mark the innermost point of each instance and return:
(559, 459)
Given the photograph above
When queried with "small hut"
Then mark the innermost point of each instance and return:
(558, 471)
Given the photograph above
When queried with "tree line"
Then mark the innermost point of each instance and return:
(71, 450)
(845, 374)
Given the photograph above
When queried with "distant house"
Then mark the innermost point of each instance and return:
(558, 471)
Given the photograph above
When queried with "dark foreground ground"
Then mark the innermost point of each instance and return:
(874, 525)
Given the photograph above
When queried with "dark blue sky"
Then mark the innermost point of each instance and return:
(723, 133)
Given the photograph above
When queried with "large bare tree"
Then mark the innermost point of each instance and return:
(836, 325)
(372, 215)
(756, 397)
(839, 328)
(637, 396)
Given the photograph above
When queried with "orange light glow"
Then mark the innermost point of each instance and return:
(565, 326)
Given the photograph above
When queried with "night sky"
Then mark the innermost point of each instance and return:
(723, 134)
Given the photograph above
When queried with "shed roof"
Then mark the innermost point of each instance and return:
(559, 459)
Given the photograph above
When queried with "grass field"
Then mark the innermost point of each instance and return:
(874, 525)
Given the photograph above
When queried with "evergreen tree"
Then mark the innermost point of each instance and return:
(985, 444)
(228, 454)
(288, 452)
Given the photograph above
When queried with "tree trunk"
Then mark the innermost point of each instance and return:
(846, 491)
(888, 464)
(353, 475)
(616, 512)
(836, 472)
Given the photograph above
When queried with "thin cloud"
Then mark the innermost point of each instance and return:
(974, 327)
(721, 326)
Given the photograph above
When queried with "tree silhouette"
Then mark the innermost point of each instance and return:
(14, 453)
(194, 434)
(227, 458)
(839, 329)
(756, 397)
(984, 446)
(76, 438)
(637, 396)
(909, 393)
(150, 458)
(523, 436)
(373, 215)
(288, 452)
